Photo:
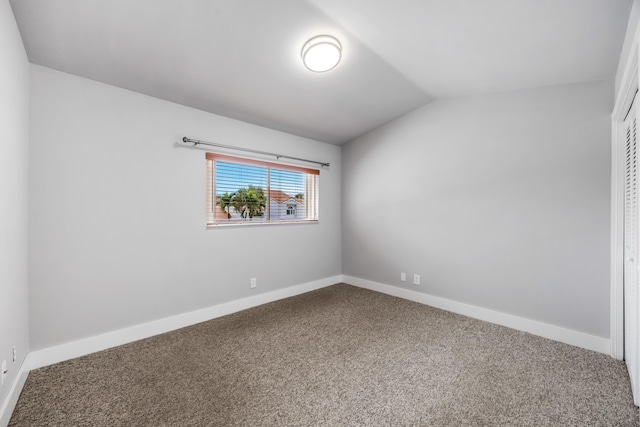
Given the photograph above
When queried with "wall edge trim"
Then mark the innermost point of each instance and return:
(6, 410)
(556, 333)
(84, 346)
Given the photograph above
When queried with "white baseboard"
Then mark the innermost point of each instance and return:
(71, 350)
(567, 336)
(60, 353)
(6, 410)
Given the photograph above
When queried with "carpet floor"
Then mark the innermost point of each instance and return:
(334, 357)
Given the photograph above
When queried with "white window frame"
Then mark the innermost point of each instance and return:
(311, 204)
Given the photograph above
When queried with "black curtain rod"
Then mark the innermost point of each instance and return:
(277, 156)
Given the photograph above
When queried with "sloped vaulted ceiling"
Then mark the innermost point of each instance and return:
(241, 58)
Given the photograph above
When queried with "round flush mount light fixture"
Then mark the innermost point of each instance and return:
(321, 53)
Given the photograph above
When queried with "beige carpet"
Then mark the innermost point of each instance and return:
(339, 356)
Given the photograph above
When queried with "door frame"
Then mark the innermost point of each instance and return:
(626, 93)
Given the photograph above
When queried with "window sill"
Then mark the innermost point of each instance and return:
(257, 224)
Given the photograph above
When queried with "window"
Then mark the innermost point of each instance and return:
(246, 191)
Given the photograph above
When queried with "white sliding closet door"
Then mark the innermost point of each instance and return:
(631, 237)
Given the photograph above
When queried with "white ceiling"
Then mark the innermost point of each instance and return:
(241, 58)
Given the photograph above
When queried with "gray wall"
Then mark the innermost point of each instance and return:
(14, 149)
(499, 201)
(118, 214)
(632, 27)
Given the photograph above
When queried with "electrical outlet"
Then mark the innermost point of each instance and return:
(15, 354)
(416, 279)
(253, 282)
(4, 371)
(403, 277)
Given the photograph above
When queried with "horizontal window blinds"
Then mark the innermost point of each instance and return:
(247, 191)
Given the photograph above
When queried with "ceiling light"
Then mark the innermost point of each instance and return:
(321, 53)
